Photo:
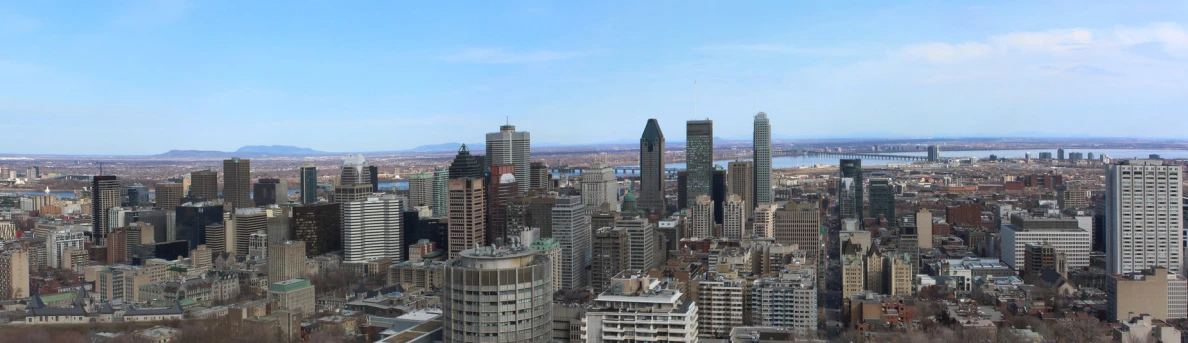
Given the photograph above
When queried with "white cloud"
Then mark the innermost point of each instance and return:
(786, 49)
(503, 56)
(1077, 42)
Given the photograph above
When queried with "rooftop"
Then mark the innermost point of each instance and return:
(289, 285)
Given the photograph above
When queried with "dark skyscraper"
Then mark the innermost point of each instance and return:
(852, 168)
(541, 178)
(761, 147)
(882, 199)
(374, 174)
(268, 192)
(682, 190)
(465, 166)
(193, 218)
(105, 194)
(1060, 154)
(718, 192)
(319, 226)
(501, 188)
(699, 158)
(309, 184)
(204, 184)
(237, 182)
(651, 168)
(933, 153)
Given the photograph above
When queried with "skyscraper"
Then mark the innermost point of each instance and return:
(193, 218)
(882, 199)
(718, 192)
(800, 224)
(1060, 154)
(934, 153)
(485, 275)
(237, 182)
(735, 217)
(269, 191)
(852, 168)
(309, 184)
(600, 187)
(682, 190)
(286, 260)
(354, 183)
(465, 166)
(420, 189)
(169, 195)
(699, 158)
(701, 218)
(247, 221)
(740, 181)
(761, 147)
(319, 226)
(571, 228)
(1143, 231)
(651, 168)
(847, 198)
(441, 192)
(541, 178)
(641, 244)
(509, 146)
(105, 194)
(373, 177)
(467, 215)
(501, 188)
(610, 251)
(372, 229)
(204, 184)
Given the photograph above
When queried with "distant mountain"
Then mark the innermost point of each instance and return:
(194, 154)
(449, 147)
(277, 150)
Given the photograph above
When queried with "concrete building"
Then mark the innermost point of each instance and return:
(246, 221)
(701, 218)
(510, 147)
(734, 217)
(651, 168)
(57, 243)
(600, 187)
(699, 159)
(761, 149)
(420, 189)
(293, 294)
(571, 229)
(549, 247)
(542, 178)
(14, 274)
(1062, 233)
(425, 274)
(635, 303)
(237, 182)
(788, 301)
(308, 183)
(764, 221)
(467, 215)
(513, 275)
(641, 244)
(1040, 256)
(800, 224)
(258, 246)
(1154, 292)
(882, 199)
(105, 194)
(720, 303)
(372, 229)
(853, 277)
(286, 260)
(740, 181)
(900, 274)
(441, 193)
(610, 255)
(1140, 225)
(204, 184)
(169, 195)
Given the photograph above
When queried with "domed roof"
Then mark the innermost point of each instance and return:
(507, 178)
(629, 197)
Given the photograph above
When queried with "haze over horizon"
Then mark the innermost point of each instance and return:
(143, 78)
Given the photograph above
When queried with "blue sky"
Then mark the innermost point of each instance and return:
(389, 75)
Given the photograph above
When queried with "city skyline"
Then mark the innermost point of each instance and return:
(1006, 69)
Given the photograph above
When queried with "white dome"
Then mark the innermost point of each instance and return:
(507, 178)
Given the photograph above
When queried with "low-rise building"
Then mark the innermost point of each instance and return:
(634, 303)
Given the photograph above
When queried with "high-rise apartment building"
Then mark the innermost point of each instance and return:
(237, 182)
(933, 153)
(852, 168)
(788, 301)
(58, 243)
(720, 303)
(761, 148)
(269, 191)
(600, 187)
(853, 274)
(482, 276)
(882, 199)
(441, 192)
(571, 229)
(699, 158)
(509, 146)
(286, 260)
(354, 183)
(420, 189)
(14, 274)
(1143, 216)
(800, 224)
(610, 254)
(309, 184)
(105, 194)
(204, 184)
(651, 168)
(734, 218)
(764, 220)
(701, 218)
(641, 242)
(319, 226)
(467, 215)
(169, 195)
(551, 249)
(740, 181)
(372, 229)
(635, 302)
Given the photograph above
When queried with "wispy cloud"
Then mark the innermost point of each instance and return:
(504, 56)
(1077, 42)
(783, 49)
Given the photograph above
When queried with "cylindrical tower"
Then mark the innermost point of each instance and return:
(498, 295)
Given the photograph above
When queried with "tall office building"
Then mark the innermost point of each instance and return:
(501, 189)
(600, 187)
(286, 260)
(513, 275)
(1143, 230)
(699, 158)
(169, 195)
(934, 153)
(761, 148)
(852, 168)
(372, 229)
(204, 184)
(309, 184)
(682, 190)
(571, 229)
(882, 199)
(509, 146)
(846, 198)
(542, 179)
(420, 190)
(641, 242)
(610, 255)
(800, 224)
(135, 195)
(1060, 154)
(734, 218)
(247, 221)
(441, 192)
(319, 226)
(268, 191)
(465, 166)
(373, 177)
(740, 181)
(651, 168)
(718, 192)
(237, 182)
(354, 182)
(701, 218)
(467, 215)
(105, 194)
